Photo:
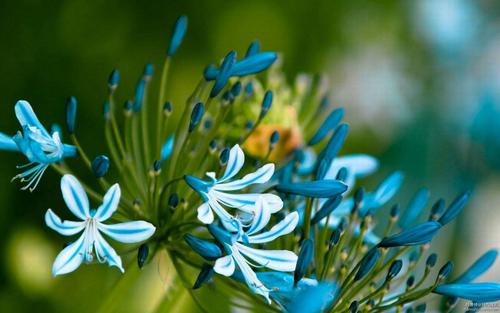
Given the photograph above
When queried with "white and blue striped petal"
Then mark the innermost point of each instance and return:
(65, 228)
(128, 232)
(27, 117)
(260, 176)
(70, 257)
(106, 253)
(109, 203)
(279, 260)
(284, 227)
(225, 265)
(75, 197)
(234, 163)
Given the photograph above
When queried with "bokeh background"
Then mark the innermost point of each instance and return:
(420, 82)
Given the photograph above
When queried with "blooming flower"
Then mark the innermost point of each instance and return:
(216, 192)
(38, 145)
(91, 241)
(236, 247)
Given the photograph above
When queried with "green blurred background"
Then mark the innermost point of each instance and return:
(419, 80)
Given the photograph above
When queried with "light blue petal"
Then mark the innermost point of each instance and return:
(261, 217)
(246, 202)
(128, 232)
(66, 228)
(234, 163)
(7, 143)
(284, 227)
(357, 165)
(388, 188)
(75, 197)
(249, 275)
(308, 164)
(106, 253)
(279, 260)
(109, 203)
(205, 214)
(225, 265)
(230, 223)
(27, 116)
(260, 176)
(70, 257)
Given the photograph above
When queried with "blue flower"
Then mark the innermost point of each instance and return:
(476, 292)
(37, 144)
(237, 249)
(91, 243)
(217, 192)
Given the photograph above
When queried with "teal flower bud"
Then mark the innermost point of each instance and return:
(266, 103)
(367, 263)
(394, 270)
(455, 208)
(100, 166)
(167, 108)
(142, 254)
(178, 34)
(417, 235)
(114, 79)
(326, 209)
(328, 125)
(196, 116)
(167, 148)
(206, 274)
(71, 114)
(304, 260)
(206, 249)
(173, 200)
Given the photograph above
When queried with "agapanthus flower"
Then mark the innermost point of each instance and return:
(218, 192)
(91, 243)
(37, 144)
(238, 250)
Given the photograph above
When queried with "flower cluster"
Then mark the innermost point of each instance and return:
(289, 222)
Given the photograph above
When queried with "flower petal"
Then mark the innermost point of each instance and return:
(279, 260)
(109, 203)
(69, 258)
(128, 232)
(247, 202)
(229, 222)
(75, 197)
(66, 228)
(261, 218)
(27, 116)
(7, 143)
(105, 251)
(205, 214)
(234, 163)
(225, 265)
(260, 176)
(249, 275)
(285, 226)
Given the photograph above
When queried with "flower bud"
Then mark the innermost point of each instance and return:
(304, 259)
(100, 166)
(142, 254)
(71, 114)
(178, 33)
